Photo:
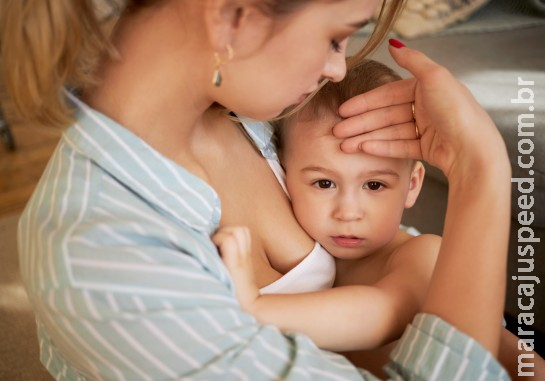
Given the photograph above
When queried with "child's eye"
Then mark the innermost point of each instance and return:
(373, 185)
(324, 184)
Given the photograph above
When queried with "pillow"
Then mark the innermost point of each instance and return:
(538, 5)
(422, 17)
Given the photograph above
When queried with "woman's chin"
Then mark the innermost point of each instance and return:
(266, 115)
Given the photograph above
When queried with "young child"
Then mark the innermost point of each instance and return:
(352, 205)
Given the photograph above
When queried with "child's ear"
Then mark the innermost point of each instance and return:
(415, 184)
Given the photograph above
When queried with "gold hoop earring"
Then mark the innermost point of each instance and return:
(217, 78)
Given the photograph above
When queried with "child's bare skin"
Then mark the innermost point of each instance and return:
(352, 205)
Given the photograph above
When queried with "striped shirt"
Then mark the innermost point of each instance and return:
(126, 284)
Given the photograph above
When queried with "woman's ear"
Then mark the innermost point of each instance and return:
(237, 23)
(220, 17)
(415, 183)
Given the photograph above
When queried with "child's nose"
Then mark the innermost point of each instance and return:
(348, 208)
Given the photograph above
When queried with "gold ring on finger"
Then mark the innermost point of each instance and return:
(415, 125)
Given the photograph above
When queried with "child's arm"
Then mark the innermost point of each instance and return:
(343, 318)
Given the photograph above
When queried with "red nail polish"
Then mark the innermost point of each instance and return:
(396, 43)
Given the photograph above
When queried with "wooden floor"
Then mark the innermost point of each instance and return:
(21, 168)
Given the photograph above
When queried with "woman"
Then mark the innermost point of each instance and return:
(115, 247)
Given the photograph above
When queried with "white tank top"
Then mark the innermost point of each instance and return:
(315, 272)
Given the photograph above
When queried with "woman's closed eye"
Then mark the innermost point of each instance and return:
(373, 185)
(324, 184)
(339, 44)
(336, 46)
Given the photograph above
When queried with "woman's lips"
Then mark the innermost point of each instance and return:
(347, 241)
(302, 98)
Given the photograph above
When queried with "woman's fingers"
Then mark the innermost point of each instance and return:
(401, 149)
(431, 117)
(375, 119)
(403, 131)
(391, 94)
(416, 62)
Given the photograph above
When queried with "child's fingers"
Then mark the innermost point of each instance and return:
(234, 244)
(235, 247)
(239, 234)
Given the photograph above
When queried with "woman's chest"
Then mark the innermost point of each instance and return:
(251, 196)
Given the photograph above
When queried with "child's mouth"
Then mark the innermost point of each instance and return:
(347, 241)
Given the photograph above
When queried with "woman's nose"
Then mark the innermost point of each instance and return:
(335, 68)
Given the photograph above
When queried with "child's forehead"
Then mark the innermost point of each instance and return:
(315, 136)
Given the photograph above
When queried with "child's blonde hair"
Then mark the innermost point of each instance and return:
(46, 44)
(367, 75)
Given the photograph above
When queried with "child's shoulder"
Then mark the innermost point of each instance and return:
(415, 251)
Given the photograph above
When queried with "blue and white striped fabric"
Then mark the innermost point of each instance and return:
(116, 257)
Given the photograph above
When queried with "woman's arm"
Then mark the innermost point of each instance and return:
(458, 137)
(343, 318)
(468, 285)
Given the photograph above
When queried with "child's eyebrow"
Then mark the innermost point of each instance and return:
(314, 168)
(383, 172)
(370, 173)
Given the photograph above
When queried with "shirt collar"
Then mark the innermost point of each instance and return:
(162, 183)
(261, 133)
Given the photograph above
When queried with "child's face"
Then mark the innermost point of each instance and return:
(350, 203)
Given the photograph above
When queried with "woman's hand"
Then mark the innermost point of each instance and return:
(452, 126)
(234, 244)
(458, 137)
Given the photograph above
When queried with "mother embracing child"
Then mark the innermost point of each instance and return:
(115, 244)
(351, 204)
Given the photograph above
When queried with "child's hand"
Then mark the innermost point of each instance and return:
(234, 244)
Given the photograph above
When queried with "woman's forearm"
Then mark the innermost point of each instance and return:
(468, 284)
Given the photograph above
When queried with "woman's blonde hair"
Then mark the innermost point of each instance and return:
(47, 44)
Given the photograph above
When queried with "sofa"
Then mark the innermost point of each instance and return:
(498, 53)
